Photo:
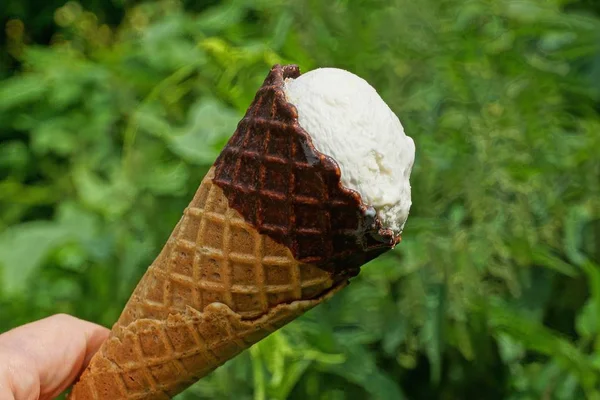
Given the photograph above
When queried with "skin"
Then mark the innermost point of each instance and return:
(41, 359)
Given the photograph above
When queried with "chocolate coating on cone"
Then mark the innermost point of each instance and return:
(275, 178)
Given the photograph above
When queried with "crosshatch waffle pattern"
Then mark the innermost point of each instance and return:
(152, 359)
(212, 256)
(272, 174)
(217, 287)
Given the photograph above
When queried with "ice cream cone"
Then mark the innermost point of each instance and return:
(269, 234)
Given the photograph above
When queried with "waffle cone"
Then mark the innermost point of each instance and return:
(270, 233)
(217, 287)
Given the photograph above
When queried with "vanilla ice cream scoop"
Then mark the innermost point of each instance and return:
(349, 122)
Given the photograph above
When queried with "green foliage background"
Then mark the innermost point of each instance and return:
(111, 113)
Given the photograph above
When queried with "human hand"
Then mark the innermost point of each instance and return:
(41, 359)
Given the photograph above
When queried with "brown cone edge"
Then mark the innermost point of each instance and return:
(233, 271)
(275, 178)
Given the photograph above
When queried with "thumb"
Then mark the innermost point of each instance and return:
(41, 359)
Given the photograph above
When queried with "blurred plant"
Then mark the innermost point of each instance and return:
(495, 288)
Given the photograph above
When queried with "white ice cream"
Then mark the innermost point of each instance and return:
(349, 122)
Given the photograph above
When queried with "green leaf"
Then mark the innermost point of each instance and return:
(209, 124)
(258, 373)
(433, 330)
(21, 90)
(361, 369)
(540, 339)
(23, 249)
(110, 197)
(575, 220)
(546, 258)
(221, 17)
(588, 319)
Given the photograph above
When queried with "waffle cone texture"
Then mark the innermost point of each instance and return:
(269, 234)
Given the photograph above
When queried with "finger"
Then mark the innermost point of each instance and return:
(45, 357)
